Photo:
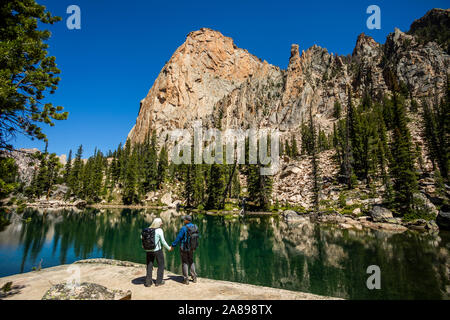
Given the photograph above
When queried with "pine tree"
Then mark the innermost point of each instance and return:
(150, 165)
(47, 174)
(97, 177)
(27, 73)
(430, 134)
(346, 168)
(337, 109)
(294, 149)
(68, 167)
(402, 165)
(259, 186)
(287, 148)
(236, 185)
(216, 186)
(189, 181)
(437, 133)
(439, 183)
(200, 176)
(41, 177)
(129, 192)
(115, 167)
(307, 142)
(54, 167)
(163, 164)
(314, 162)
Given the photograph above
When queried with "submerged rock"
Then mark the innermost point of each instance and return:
(85, 291)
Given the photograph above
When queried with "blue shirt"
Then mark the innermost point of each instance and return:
(181, 236)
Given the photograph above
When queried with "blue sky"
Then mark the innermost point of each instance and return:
(109, 65)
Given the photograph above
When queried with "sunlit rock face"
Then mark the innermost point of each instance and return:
(210, 78)
(205, 68)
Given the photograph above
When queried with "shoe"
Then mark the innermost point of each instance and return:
(194, 279)
(186, 281)
(148, 284)
(160, 284)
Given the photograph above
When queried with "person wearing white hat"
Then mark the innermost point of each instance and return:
(156, 253)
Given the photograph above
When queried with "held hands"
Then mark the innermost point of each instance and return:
(171, 249)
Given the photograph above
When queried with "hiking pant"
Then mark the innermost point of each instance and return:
(187, 260)
(159, 255)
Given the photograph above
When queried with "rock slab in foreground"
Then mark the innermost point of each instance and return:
(85, 291)
(124, 275)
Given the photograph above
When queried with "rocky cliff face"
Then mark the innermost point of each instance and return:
(209, 78)
(26, 164)
(205, 68)
(434, 26)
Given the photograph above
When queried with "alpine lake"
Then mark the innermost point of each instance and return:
(260, 250)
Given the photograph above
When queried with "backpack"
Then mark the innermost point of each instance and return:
(148, 239)
(191, 236)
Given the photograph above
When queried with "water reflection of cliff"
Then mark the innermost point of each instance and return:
(265, 251)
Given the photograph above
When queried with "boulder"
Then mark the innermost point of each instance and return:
(150, 196)
(443, 218)
(60, 192)
(85, 291)
(167, 199)
(417, 224)
(380, 214)
(432, 226)
(426, 203)
(394, 220)
(291, 216)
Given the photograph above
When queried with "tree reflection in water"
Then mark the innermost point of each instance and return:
(262, 251)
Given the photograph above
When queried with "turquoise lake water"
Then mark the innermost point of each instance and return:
(263, 251)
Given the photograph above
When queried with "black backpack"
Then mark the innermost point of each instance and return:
(148, 239)
(191, 235)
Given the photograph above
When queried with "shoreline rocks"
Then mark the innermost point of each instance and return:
(380, 214)
(384, 221)
(51, 204)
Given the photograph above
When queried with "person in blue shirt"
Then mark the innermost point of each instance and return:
(186, 254)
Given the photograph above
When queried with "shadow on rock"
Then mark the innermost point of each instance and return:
(179, 279)
(138, 281)
(9, 290)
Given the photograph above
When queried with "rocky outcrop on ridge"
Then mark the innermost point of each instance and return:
(205, 68)
(209, 78)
